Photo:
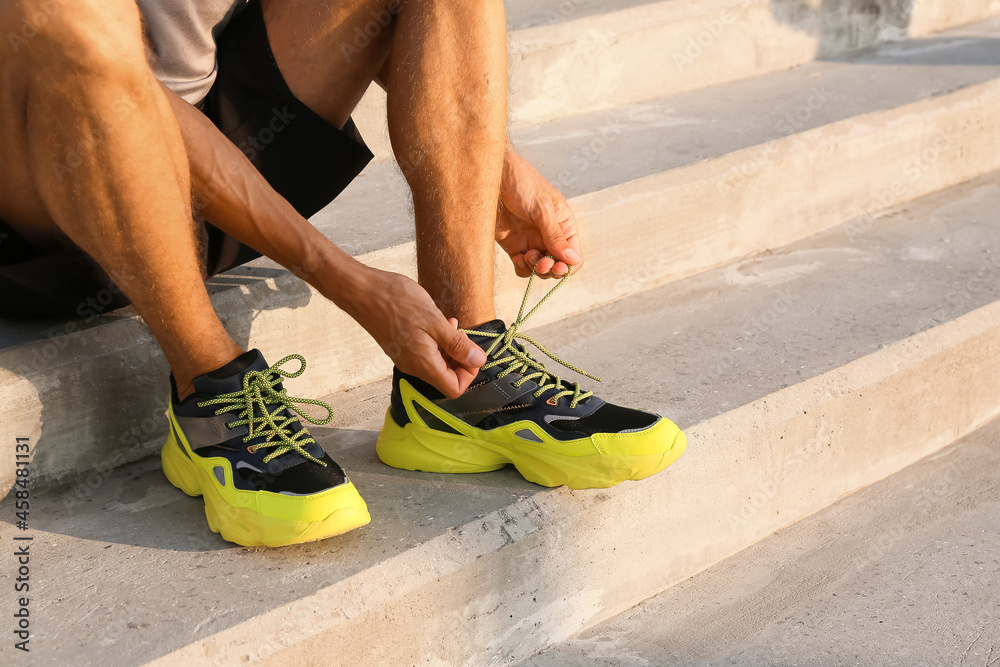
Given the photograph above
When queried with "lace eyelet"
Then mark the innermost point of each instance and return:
(553, 401)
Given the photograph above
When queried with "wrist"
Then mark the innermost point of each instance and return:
(511, 166)
(510, 156)
(340, 278)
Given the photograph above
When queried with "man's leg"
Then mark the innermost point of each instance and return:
(445, 75)
(444, 66)
(92, 148)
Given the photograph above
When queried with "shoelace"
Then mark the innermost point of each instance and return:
(252, 404)
(519, 361)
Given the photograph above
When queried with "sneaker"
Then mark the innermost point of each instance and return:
(236, 442)
(516, 411)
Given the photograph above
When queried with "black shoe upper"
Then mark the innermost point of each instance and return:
(492, 401)
(209, 436)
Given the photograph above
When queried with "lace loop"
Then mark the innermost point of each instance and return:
(504, 350)
(252, 405)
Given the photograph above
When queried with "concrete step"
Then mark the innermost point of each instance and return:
(796, 381)
(902, 573)
(655, 205)
(575, 56)
(600, 151)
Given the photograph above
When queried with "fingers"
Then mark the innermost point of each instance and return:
(545, 223)
(555, 239)
(532, 257)
(452, 382)
(574, 245)
(461, 361)
(521, 267)
(437, 357)
(436, 371)
(556, 222)
(457, 346)
(545, 266)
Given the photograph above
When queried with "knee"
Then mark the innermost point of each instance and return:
(84, 37)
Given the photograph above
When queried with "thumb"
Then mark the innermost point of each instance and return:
(555, 239)
(457, 345)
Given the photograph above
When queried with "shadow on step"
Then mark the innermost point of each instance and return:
(843, 26)
(937, 51)
(139, 544)
(102, 382)
(137, 506)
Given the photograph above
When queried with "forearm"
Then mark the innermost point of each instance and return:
(232, 195)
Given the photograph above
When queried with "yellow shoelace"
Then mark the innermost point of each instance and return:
(505, 350)
(253, 404)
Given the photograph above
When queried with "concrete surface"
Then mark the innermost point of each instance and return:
(638, 235)
(654, 49)
(905, 572)
(795, 380)
(587, 153)
(673, 132)
(575, 56)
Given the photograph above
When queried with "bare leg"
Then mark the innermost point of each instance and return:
(92, 147)
(444, 66)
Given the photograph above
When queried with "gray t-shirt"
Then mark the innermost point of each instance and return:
(182, 35)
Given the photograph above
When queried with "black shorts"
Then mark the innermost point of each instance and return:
(305, 159)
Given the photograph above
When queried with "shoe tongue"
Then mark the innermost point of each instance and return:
(494, 326)
(229, 378)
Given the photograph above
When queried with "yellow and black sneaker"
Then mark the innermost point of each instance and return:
(516, 411)
(265, 480)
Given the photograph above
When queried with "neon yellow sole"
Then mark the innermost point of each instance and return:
(261, 518)
(579, 464)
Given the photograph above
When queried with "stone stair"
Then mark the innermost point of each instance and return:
(788, 262)
(664, 189)
(799, 375)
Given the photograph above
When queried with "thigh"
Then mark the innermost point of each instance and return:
(39, 37)
(41, 272)
(304, 157)
(329, 51)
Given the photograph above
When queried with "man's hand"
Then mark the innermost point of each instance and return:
(404, 321)
(535, 221)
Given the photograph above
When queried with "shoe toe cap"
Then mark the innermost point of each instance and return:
(657, 438)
